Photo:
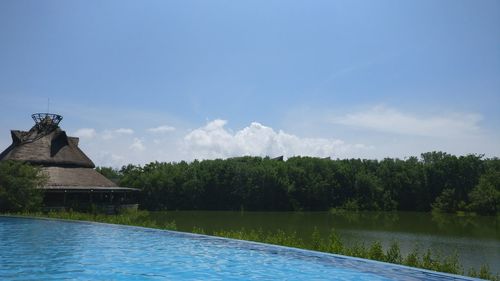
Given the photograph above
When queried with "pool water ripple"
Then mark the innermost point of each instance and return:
(34, 249)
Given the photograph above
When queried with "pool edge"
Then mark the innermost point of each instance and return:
(292, 249)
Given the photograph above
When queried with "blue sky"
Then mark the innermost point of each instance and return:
(140, 81)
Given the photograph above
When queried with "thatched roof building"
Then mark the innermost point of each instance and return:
(69, 170)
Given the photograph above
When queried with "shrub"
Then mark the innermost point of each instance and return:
(412, 259)
(376, 252)
(393, 254)
(334, 243)
(18, 187)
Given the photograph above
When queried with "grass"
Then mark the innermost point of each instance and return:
(333, 244)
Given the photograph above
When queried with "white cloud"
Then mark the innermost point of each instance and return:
(107, 135)
(214, 141)
(108, 159)
(137, 145)
(110, 134)
(124, 131)
(389, 120)
(411, 135)
(85, 133)
(162, 129)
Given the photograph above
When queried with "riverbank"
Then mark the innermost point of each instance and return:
(333, 243)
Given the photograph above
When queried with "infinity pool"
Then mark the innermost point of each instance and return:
(37, 249)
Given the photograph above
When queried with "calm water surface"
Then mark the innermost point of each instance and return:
(475, 239)
(35, 249)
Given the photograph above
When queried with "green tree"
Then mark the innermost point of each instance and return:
(485, 197)
(436, 179)
(445, 202)
(110, 173)
(369, 191)
(18, 187)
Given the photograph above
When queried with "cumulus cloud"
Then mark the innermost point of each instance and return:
(162, 129)
(389, 120)
(137, 145)
(85, 133)
(215, 141)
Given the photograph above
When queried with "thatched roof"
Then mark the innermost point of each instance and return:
(46, 145)
(55, 148)
(59, 176)
(67, 167)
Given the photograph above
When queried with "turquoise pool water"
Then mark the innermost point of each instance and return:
(34, 249)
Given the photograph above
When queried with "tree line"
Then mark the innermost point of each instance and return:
(434, 181)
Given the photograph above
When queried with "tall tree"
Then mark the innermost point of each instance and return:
(19, 184)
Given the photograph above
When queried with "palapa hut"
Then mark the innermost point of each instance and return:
(72, 180)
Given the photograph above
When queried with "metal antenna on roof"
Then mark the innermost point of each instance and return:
(48, 105)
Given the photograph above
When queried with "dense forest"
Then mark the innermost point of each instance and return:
(434, 181)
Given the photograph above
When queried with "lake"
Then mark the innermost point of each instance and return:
(476, 239)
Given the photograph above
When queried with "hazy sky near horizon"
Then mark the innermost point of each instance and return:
(142, 81)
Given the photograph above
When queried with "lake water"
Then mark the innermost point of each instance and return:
(37, 249)
(476, 239)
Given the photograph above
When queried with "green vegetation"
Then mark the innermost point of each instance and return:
(485, 197)
(333, 244)
(18, 182)
(436, 181)
(427, 260)
(110, 173)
